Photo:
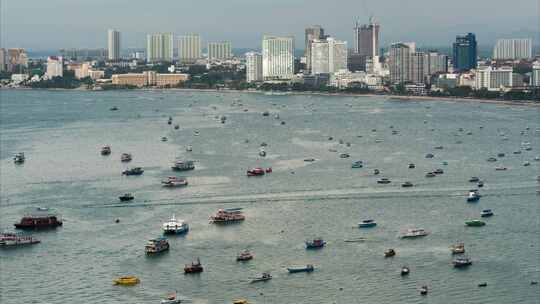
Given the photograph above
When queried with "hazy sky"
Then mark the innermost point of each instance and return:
(55, 24)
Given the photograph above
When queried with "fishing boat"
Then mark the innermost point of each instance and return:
(265, 276)
(125, 157)
(357, 164)
(315, 243)
(227, 216)
(407, 185)
(244, 256)
(255, 172)
(475, 223)
(41, 218)
(458, 248)
(405, 271)
(181, 165)
(473, 196)
(474, 179)
(19, 158)
(486, 213)
(195, 267)
(127, 281)
(412, 166)
(367, 224)
(307, 268)
(173, 181)
(126, 197)
(389, 253)
(156, 246)
(16, 239)
(133, 171)
(175, 226)
(383, 180)
(414, 233)
(106, 150)
(461, 262)
(173, 299)
(423, 290)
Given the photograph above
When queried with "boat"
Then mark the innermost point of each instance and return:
(383, 180)
(244, 256)
(176, 127)
(423, 290)
(307, 268)
(407, 185)
(445, 163)
(195, 267)
(255, 172)
(106, 150)
(227, 216)
(315, 244)
(265, 276)
(474, 179)
(344, 155)
(169, 121)
(126, 197)
(16, 239)
(133, 171)
(486, 213)
(438, 148)
(501, 168)
(115, 108)
(438, 171)
(181, 165)
(429, 155)
(357, 164)
(475, 223)
(223, 119)
(431, 174)
(173, 299)
(460, 262)
(189, 148)
(480, 184)
(40, 219)
(473, 196)
(173, 181)
(127, 281)
(492, 159)
(367, 224)
(174, 226)
(389, 253)
(458, 248)
(262, 153)
(414, 233)
(164, 138)
(156, 246)
(412, 166)
(19, 158)
(241, 301)
(376, 171)
(405, 271)
(517, 152)
(309, 160)
(501, 155)
(125, 157)
(483, 284)
(526, 164)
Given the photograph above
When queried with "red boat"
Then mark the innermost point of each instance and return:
(255, 172)
(195, 267)
(39, 221)
(226, 216)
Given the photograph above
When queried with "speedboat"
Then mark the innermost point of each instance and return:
(367, 224)
(423, 290)
(19, 158)
(174, 226)
(460, 262)
(173, 299)
(407, 185)
(125, 157)
(181, 165)
(255, 172)
(486, 213)
(389, 253)
(133, 171)
(383, 180)
(127, 281)
(244, 256)
(307, 268)
(405, 270)
(195, 267)
(173, 181)
(126, 197)
(475, 223)
(357, 164)
(414, 233)
(264, 277)
(473, 196)
(315, 244)
(458, 248)
(106, 150)
(156, 246)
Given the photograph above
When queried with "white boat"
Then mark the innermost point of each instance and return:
(173, 299)
(19, 158)
(173, 181)
(414, 233)
(181, 165)
(174, 226)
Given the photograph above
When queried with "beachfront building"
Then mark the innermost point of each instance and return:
(399, 62)
(535, 75)
(159, 47)
(328, 56)
(513, 49)
(113, 45)
(189, 48)
(312, 33)
(278, 58)
(149, 78)
(494, 79)
(465, 52)
(346, 79)
(219, 50)
(254, 67)
(55, 67)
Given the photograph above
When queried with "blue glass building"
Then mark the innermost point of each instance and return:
(465, 52)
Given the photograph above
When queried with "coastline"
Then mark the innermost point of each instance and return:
(313, 93)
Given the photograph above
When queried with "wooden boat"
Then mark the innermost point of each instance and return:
(127, 281)
(40, 219)
(195, 267)
(307, 268)
(315, 244)
(244, 256)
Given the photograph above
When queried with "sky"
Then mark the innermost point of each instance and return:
(56, 24)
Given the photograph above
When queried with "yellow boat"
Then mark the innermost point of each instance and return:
(127, 281)
(240, 301)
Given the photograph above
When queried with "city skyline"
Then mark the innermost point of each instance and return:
(55, 29)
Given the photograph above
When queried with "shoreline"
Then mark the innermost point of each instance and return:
(312, 93)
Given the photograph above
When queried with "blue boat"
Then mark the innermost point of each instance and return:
(307, 268)
(367, 224)
(357, 164)
(315, 244)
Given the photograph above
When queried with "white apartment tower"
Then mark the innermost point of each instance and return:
(278, 57)
(55, 67)
(159, 47)
(254, 67)
(113, 44)
(399, 63)
(328, 56)
(219, 50)
(513, 49)
(535, 75)
(189, 48)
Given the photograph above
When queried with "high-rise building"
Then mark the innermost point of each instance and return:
(465, 52)
(254, 67)
(189, 48)
(3, 58)
(315, 32)
(399, 62)
(219, 50)
(278, 57)
(84, 54)
(328, 56)
(159, 47)
(513, 49)
(366, 39)
(114, 44)
(55, 67)
(418, 69)
(436, 63)
(535, 75)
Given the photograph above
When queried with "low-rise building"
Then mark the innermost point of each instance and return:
(149, 78)
(18, 78)
(535, 75)
(55, 67)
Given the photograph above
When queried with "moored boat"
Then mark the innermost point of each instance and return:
(181, 165)
(244, 256)
(414, 233)
(133, 171)
(127, 281)
(226, 216)
(486, 213)
(461, 262)
(195, 267)
(125, 157)
(126, 197)
(265, 276)
(367, 224)
(39, 219)
(315, 243)
(156, 246)
(174, 226)
(389, 253)
(173, 181)
(16, 239)
(106, 150)
(458, 248)
(307, 268)
(405, 270)
(255, 172)
(475, 223)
